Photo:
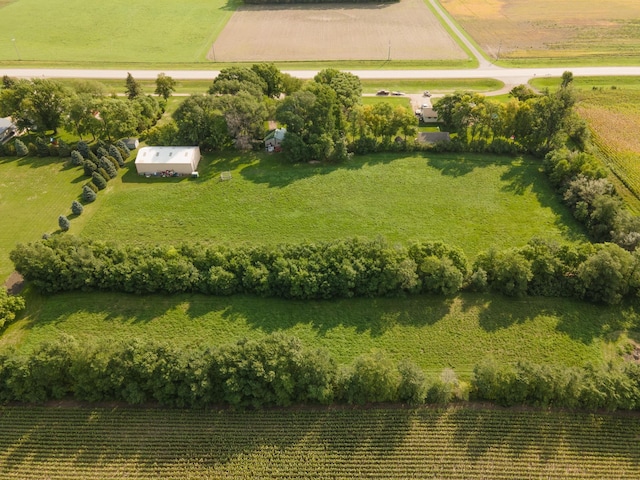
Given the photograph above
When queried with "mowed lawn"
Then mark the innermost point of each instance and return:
(81, 31)
(473, 202)
(34, 192)
(434, 331)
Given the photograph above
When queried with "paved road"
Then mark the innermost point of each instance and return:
(508, 75)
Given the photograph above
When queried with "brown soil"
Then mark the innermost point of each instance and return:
(14, 284)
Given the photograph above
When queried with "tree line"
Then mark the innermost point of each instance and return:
(602, 273)
(278, 370)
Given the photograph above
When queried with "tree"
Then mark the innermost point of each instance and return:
(76, 207)
(346, 85)
(133, 88)
(165, 85)
(235, 79)
(21, 148)
(88, 195)
(10, 305)
(63, 223)
(272, 77)
(201, 121)
(245, 116)
(567, 78)
(119, 118)
(83, 117)
(47, 103)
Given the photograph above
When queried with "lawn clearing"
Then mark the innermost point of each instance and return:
(460, 443)
(33, 193)
(79, 31)
(470, 201)
(406, 30)
(598, 31)
(434, 332)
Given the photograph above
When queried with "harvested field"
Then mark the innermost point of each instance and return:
(406, 30)
(513, 29)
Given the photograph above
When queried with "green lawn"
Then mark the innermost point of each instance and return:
(117, 31)
(33, 193)
(469, 201)
(435, 332)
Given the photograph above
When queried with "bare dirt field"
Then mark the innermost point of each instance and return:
(551, 28)
(406, 30)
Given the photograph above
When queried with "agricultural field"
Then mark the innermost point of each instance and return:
(548, 31)
(406, 30)
(83, 32)
(455, 443)
(611, 106)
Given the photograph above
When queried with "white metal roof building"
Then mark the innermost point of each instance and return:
(180, 160)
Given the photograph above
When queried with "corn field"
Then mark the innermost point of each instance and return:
(456, 442)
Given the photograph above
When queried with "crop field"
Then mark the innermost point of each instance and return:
(469, 201)
(597, 31)
(80, 31)
(406, 30)
(454, 443)
(614, 119)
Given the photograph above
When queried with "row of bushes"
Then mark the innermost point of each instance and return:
(10, 305)
(340, 269)
(40, 147)
(278, 370)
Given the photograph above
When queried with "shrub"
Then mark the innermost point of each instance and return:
(88, 194)
(108, 167)
(124, 150)
(76, 207)
(89, 167)
(83, 148)
(115, 153)
(64, 150)
(77, 159)
(98, 180)
(63, 223)
(412, 388)
(42, 147)
(10, 305)
(371, 378)
(21, 148)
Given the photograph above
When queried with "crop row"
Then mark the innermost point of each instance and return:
(83, 443)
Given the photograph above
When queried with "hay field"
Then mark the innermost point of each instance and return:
(533, 29)
(335, 32)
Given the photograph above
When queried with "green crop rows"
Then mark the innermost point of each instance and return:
(65, 443)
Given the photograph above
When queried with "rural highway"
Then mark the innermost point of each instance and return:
(510, 76)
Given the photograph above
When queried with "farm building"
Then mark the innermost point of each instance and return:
(274, 138)
(428, 114)
(163, 160)
(7, 129)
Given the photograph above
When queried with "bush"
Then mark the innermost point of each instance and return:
(108, 167)
(83, 148)
(10, 306)
(371, 378)
(88, 194)
(76, 207)
(124, 150)
(115, 153)
(63, 223)
(21, 148)
(77, 159)
(42, 147)
(64, 150)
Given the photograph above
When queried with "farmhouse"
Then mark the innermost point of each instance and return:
(428, 114)
(274, 138)
(159, 160)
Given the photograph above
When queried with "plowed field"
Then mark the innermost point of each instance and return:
(406, 30)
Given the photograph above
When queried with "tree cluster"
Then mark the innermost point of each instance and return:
(604, 273)
(590, 387)
(276, 370)
(44, 105)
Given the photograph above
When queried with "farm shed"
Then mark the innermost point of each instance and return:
(179, 160)
(7, 129)
(131, 143)
(274, 138)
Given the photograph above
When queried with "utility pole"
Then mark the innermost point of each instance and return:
(389, 53)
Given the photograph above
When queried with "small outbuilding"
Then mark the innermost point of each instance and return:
(7, 129)
(167, 161)
(131, 143)
(274, 138)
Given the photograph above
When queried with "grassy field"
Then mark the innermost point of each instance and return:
(433, 331)
(552, 32)
(33, 193)
(470, 201)
(118, 31)
(453, 443)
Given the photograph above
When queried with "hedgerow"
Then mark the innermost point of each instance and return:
(603, 273)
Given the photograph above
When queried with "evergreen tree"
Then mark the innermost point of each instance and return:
(76, 158)
(76, 207)
(115, 153)
(88, 195)
(64, 223)
(133, 87)
(21, 148)
(99, 181)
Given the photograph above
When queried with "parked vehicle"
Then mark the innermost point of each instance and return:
(426, 93)
(383, 92)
